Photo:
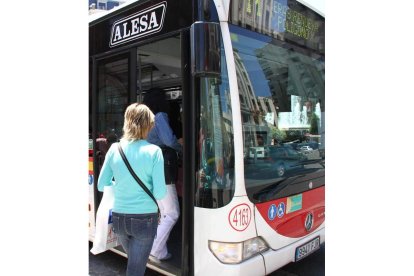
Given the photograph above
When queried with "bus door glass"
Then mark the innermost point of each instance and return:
(112, 99)
(159, 65)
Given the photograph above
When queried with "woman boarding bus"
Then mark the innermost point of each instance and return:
(249, 79)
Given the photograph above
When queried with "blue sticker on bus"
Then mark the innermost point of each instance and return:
(271, 213)
(90, 179)
(280, 209)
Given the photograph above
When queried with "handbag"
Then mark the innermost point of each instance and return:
(104, 238)
(139, 181)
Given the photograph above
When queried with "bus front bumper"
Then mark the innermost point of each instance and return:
(275, 259)
(262, 264)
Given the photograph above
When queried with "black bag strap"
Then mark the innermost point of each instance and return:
(137, 178)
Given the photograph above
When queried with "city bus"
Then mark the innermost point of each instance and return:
(246, 82)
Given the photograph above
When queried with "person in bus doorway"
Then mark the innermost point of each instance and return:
(163, 136)
(175, 113)
(135, 214)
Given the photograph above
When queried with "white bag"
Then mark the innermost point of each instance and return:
(104, 238)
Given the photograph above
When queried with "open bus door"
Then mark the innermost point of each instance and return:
(123, 78)
(110, 96)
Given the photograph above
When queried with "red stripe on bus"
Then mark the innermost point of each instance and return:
(293, 224)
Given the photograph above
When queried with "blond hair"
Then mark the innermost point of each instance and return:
(138, 121)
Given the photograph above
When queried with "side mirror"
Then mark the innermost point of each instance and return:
(205, 49)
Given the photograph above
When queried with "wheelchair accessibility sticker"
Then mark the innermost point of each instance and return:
(280, 209)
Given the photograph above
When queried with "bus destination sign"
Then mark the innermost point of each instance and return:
(285, 19)
(288, 20)
(143, 23)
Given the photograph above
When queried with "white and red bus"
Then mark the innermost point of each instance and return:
(246, 82)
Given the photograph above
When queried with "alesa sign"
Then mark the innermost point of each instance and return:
(140, 24)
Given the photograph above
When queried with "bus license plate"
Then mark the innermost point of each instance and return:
(306, 249)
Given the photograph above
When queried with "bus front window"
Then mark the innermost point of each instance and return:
(282, 99)
(215, 149)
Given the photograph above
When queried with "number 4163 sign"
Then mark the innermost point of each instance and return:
(240, 216)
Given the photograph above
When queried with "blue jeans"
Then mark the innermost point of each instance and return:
(136, 233)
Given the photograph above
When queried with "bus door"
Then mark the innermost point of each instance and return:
(127, 78)
(111, 95)
(159, 65)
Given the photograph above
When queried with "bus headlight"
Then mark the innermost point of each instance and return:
(237, 252)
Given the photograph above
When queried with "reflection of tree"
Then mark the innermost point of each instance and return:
(293, 135)
(278, 134)
(314, 124)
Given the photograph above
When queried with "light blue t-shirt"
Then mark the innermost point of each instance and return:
(147, 162)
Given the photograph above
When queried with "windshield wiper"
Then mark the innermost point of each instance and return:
(268, 188)
(281, 187)
(274, 188)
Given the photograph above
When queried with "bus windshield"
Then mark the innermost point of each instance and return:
(281, 90)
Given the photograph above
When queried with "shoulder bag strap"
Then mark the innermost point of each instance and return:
(137, 178)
